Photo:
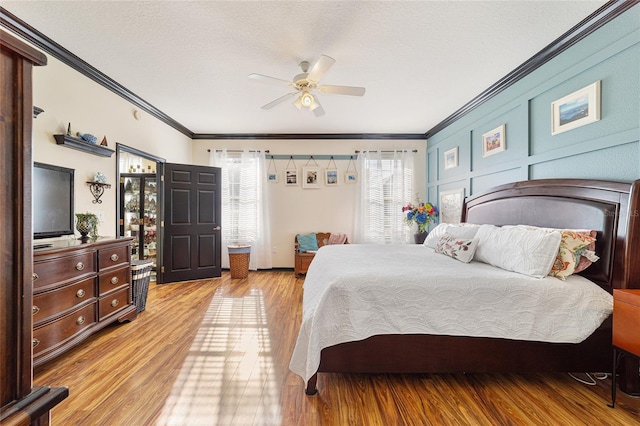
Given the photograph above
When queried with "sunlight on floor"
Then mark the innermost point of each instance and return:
(227, 377)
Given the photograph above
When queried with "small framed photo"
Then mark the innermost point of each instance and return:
(494, 141)
(272, 177)
(331, 177)
(350, 177)
(451, 158)
(310, 177)
(577, 109)
(291, 177)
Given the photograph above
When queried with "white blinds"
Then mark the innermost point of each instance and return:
(386, 184)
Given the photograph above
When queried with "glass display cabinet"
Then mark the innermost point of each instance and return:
(138, 213)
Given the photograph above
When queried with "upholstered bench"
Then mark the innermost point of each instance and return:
(306, 245)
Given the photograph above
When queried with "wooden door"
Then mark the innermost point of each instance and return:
(192, 234)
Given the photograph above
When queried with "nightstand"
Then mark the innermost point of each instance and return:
(626, 330)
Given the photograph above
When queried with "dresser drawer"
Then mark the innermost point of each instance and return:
(113, 257)
(113, 303)
(59, 301)
(61, 330)
(109, 281)
(63, 269)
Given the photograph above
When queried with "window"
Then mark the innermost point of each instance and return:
(245, 207)
(386, 185)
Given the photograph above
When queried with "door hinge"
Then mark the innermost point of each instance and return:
(162, 269)
(162, 224)
(161, 178)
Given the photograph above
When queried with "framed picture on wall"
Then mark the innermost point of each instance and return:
(451, 158)
(350, 177)
(291, 177)
(577, 109)
(451, 205)
(331, 177)
(494, 141)
(272, 177)
(311, 177)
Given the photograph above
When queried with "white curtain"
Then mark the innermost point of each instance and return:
(245, 205)
(385, 186)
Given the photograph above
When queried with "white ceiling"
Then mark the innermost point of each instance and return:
(420, 61)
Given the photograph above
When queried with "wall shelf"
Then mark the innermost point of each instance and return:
(81, 145)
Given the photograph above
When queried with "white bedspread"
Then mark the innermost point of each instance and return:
(353, 292)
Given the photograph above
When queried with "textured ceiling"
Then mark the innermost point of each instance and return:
(419, 60)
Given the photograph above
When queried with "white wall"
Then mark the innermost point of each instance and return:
(326, 209)
(69, 97)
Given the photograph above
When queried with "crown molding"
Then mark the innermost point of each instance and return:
(377, 136)
(600, 17)
(591, 23)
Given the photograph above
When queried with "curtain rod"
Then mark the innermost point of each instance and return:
(241, 150)
(397, 150)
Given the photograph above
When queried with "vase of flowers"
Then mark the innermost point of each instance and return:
(423, 214)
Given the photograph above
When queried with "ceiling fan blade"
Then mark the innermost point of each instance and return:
(317, 109)
(279, 100)
(267, 79)
(342, 90)
(321, 66)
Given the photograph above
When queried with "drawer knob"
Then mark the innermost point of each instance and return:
(35, 342)
(34, 276)
(80, 320)
(35, 309)
(79, 266)
(80, 293)
(114, 257)
(114, 280)
(115, 303)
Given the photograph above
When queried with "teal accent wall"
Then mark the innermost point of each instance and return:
(606, 149)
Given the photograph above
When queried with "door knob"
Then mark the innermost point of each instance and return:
(217, 228)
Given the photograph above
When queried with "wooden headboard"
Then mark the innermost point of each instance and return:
(610, 208)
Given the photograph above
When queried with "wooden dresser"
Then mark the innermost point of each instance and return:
(78, 289)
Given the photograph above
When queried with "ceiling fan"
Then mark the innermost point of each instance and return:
(306, 83)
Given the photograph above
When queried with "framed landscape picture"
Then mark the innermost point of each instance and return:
(451, 158)
(272, 177)
(577, 109)
(291, 177)
(331, 177)
(494, 141)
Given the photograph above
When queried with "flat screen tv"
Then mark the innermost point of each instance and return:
(52, 201)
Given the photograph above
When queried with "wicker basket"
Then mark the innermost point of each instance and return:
(140, 277)
(239, 261)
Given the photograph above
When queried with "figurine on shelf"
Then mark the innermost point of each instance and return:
(87, 137)
(69, 129)
(104, 141)
(100, 178)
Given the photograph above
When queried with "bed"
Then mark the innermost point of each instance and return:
(610, 208)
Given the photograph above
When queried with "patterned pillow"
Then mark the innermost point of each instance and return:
(572, 249)
(460, 230)
(462, 250)
(576, 251)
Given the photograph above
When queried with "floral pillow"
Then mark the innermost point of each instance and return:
(576, 251)
(573, 248)
(452, 246)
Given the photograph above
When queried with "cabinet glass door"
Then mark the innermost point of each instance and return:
(150, 198)
(130, 222)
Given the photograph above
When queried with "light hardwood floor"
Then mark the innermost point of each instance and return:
(216, 352)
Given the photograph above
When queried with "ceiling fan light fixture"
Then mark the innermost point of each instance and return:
(306, 99)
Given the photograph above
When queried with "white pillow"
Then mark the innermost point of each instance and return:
(457, 248)
(526, 251)
(461, 231)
